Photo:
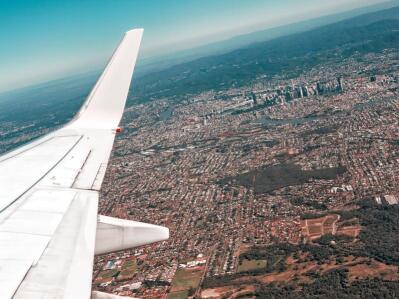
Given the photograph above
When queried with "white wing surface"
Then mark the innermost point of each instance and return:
(49, 227)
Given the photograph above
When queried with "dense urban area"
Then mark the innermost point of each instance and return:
(282, 183)
(276, 162)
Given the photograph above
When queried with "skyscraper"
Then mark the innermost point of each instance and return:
(340, 84)
(305, 91)
(319, 88)
(299, 92)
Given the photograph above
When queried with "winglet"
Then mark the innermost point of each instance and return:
(104, 106)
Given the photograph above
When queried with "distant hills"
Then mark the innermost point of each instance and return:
(290, 55)
(244, 40)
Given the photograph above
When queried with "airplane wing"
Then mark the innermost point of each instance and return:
(49, 189)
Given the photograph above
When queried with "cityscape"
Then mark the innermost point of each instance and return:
(274, 164)
(227, 171)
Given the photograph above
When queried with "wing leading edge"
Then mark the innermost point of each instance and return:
(49, 196)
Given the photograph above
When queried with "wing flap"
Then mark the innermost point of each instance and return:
(20, 172)
(10, 280)
(64, 269)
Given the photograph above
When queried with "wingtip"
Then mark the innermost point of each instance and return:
(135, 31)
(99, 111)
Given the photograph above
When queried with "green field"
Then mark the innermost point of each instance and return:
(178, 295)
(185, 279)
(250, 265)
(129, 264)
(109, 273)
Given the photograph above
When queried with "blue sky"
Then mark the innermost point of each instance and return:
(42, 40)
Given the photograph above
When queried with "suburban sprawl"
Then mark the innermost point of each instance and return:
(237, 173)
(275, 167)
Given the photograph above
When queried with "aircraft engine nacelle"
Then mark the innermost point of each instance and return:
(115, 234)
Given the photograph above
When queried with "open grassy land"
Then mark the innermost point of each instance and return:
(178, 295)
(186, 279)
(250, 265)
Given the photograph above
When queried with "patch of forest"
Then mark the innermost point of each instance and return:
(267, 179)
(333, 285)
(378, 240)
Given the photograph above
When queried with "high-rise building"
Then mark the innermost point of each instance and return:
(340, 84)
(253, 95)
(288, 96)
(319, 88)
(299, 92)
(305, 91)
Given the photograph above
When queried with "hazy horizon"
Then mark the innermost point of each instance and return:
(72, 46)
